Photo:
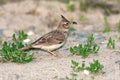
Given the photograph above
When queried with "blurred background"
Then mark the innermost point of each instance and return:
(37, 17)
(41, 16)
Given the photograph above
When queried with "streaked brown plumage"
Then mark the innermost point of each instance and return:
(54, 39)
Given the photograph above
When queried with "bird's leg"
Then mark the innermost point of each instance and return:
(52, 53)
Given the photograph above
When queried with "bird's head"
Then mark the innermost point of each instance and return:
(65, 24)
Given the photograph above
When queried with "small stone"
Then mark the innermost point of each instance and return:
(103, 42)
(30, 33)
(26, 41)
(86, 72)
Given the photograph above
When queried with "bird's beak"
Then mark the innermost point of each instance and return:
(73, 22)
(71, 27)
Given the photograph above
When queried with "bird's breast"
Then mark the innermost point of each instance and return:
(49, 47)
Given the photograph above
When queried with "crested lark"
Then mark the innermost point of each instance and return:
(54, 39)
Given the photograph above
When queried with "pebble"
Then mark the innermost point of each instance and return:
(86, 72)
(26, 41)
(30, 33)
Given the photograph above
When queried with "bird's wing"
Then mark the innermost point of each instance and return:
(51, 38)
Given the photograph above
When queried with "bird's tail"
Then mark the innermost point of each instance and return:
(26, 47)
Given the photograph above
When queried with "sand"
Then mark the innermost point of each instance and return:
(43, 16)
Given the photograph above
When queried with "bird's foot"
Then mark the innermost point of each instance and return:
(53, 54)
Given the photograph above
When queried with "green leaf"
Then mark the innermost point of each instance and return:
(11, 52)
(74, 63)
(95, 67)
(14, 37)
(85, 49)
(28, 58)
(22, 35)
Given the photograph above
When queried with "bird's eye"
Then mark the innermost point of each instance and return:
(65, 23)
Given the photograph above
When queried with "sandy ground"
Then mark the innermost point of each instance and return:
(43, 16)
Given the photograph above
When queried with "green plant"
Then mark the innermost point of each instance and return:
(118, 1)
(107, 26)
(118, 37)
(0, 40)
(18, 38)
(76, 67)
(82, 17)
(92, 78)
(73, 77)
(83, 5)
(70, 6)
(118, 26)
(111, 43)
(85, 49)
(11, 51)
(71, 28)
(95, 67)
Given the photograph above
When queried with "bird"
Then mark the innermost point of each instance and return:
(54, 39)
